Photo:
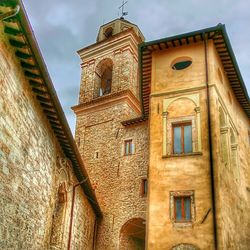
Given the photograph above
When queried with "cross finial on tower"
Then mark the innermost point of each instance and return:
(124, 13)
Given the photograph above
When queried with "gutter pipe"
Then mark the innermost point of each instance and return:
(210, 143)
(72, 211)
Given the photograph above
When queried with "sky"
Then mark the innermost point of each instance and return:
(62, 27)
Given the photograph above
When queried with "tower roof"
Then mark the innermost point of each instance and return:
(117, 26)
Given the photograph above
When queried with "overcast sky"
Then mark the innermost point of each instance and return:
(62, 27)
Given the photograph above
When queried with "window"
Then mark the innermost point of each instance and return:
(108, 32)
(181, 63)
(128, 144)
(182, 138)
(181, 126)
(144, 187)
(182, 208)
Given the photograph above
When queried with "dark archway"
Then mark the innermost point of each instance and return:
(132, 235)
(103, 77)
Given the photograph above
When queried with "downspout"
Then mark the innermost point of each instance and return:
(72, 211)
(10, 13)
(210, 142)
(95, 233)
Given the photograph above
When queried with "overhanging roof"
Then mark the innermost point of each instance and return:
(222, 44)
(18, 30)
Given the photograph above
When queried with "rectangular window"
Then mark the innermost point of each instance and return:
(182, 208)
(144, 187)
(128, 147)
(182, 138)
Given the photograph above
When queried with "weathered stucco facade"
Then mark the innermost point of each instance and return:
(231, 150)
(178, 96)
(101, 137)
(36, 175)
(218, 183)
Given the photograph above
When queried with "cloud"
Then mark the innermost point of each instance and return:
(62, 27)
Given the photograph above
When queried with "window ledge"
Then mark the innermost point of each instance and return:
(181, 155)
(183, 224)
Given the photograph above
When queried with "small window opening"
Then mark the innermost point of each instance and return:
(182, 138)
(182, 208)
(108, 32)
(128, 144)
(144, 187)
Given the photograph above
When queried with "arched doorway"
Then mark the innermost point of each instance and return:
(132, 235)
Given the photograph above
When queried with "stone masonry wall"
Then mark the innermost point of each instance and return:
(116, 178)
(32, 213)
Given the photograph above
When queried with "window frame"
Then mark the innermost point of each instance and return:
(130, 151)
(172, 213)
(182, 124)
(183, 213)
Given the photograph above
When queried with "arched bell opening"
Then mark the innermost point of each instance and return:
(103, 77)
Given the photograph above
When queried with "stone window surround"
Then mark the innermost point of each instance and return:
(196, 126)
(181, 193)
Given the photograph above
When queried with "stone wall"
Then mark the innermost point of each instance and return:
(101, 137)
(35, 180)
(116, 177)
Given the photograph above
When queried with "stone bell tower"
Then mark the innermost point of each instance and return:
(116, 156)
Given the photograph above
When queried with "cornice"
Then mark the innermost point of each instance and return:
(126, 38)
(106, 101)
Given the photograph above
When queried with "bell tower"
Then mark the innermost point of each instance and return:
(110, 65)
(116, 156)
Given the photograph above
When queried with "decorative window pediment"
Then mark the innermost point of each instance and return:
(181, 125)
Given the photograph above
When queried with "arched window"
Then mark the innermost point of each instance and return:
(103, 78)
(181, 126)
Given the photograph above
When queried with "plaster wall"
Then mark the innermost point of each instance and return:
(232, 173)
(171, 173)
